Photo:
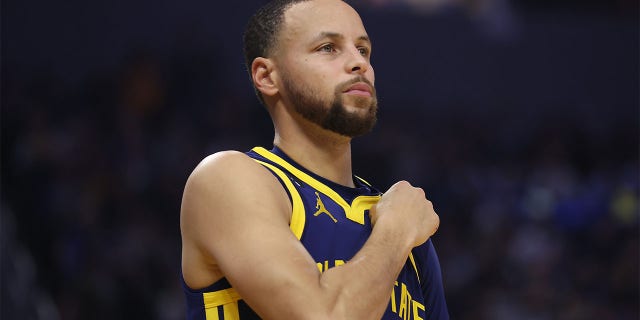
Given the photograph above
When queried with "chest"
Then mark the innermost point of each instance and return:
(336, 225)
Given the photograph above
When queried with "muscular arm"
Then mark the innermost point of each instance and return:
(235, 222)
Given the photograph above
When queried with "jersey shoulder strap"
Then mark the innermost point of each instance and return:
(298, 215)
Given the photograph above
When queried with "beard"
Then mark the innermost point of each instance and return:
(333, 115)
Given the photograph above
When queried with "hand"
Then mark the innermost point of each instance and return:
(405, 209)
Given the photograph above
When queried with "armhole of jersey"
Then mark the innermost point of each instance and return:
(297, 215)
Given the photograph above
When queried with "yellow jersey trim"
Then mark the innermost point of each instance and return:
(363, 181)
(297, 216)
(211, 314)
(354, 212)
(413, 263)
(231, 311)
(220, 297)
(227, 298)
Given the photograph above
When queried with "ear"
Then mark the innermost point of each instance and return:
(264, 76)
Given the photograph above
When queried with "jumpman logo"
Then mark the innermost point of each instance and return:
(322, 209)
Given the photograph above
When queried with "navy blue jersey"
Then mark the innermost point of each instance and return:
(332, 222)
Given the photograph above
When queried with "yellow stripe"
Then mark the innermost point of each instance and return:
(363, 181)
(220, 297)
(359, 205)
(413, 262)
(297, 216)
(354, 215)
(211, 313)
(231, 311)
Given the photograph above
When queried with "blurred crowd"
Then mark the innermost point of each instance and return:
(539, 214)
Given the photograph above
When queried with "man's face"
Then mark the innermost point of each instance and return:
(324, 63)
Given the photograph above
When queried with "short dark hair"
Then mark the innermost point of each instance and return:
(262, 30)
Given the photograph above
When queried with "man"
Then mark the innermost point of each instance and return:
(291, 233)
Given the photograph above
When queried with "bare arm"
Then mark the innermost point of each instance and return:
(234, 221)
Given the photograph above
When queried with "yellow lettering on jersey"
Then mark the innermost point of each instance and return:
(393, 297)
(417, 305)
(405, 303)
(324, 266)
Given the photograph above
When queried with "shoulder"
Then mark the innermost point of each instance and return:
(227, 167)
(221, 163)
(230, 178)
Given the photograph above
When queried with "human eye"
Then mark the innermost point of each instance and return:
(364, 51)
(328, 48)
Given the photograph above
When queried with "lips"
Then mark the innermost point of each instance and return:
(359, 89)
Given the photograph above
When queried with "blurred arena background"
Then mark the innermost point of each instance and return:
(520, 118)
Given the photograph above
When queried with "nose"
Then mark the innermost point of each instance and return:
(357, 63)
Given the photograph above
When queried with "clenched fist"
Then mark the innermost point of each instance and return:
(406, 210)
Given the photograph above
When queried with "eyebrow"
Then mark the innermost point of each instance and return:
(339, 36)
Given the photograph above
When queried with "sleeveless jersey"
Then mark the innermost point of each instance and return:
(332, 222)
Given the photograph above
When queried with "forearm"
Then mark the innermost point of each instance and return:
(360, 289)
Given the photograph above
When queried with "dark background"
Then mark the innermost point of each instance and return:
(519, 118)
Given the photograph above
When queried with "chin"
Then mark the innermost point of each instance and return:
(360, 102)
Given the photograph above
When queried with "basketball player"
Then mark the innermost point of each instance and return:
(291, 233)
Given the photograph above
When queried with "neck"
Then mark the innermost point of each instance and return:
(325, 153)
